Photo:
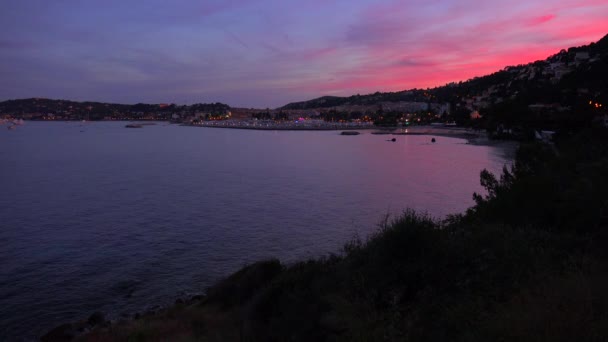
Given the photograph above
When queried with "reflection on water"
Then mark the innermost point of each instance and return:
(103, 218)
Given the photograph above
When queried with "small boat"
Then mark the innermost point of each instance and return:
(350, 133)
(12, 127)
(433, 140)
(134, 126)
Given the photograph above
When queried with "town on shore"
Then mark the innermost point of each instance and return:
(398, 114)
(566, 91)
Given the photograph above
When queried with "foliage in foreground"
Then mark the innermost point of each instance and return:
(526, 263)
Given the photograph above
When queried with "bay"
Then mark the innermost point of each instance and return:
(98, 217)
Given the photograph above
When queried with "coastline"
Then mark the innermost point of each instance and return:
(461, 132)
(283, 126)
(411, 130)
(474, 137)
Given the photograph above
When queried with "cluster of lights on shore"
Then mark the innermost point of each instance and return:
(595, 104)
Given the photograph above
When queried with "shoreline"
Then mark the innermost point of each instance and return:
(412, 130)
(472, 137)
(284, 127)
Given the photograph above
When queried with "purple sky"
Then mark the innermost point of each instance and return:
(269, 53)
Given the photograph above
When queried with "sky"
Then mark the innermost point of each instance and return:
(267, 53)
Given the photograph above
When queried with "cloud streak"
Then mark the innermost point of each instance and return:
(269, 52)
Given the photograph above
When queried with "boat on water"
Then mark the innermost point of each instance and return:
(134, 126)
(12, 127)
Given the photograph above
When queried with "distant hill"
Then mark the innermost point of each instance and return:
(413, 95)
(39, 108)
(568, 89)
(553, 91)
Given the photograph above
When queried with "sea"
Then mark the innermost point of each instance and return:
(98, 217)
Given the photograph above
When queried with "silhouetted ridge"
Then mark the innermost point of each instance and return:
(558, 92)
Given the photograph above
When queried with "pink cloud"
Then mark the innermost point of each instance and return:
(395, 51)
(541, 20)
(286, 47)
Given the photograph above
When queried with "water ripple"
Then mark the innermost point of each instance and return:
(117, 221)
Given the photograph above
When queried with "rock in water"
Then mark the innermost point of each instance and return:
(64, 332)
(96, 319)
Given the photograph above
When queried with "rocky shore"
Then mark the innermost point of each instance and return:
(97, 322)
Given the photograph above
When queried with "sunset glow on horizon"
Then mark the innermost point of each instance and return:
(269, 53)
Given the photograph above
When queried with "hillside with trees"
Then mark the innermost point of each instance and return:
(564, 91)
(48, 109)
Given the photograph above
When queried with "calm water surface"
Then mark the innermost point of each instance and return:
(97, 217)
